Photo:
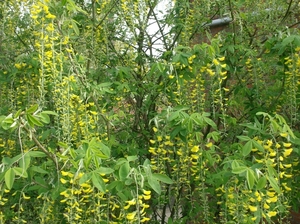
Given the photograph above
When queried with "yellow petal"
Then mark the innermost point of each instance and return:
(252, 208)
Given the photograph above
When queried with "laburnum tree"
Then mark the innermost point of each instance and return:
(155, 111)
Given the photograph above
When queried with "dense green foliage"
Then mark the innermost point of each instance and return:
(114, 112)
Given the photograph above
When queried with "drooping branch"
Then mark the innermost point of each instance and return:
(41, 147)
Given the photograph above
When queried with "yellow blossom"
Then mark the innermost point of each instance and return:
(287, 145)
(131, 202)
(127, 206)
(146, 192)
(179, 153)
(230, 196)
(25, 197)
(130, 216)
(152, 150)
(252, 208)
(273, 199)
(281, 166)
(152, 141)
(259, 160)
(65, 194)
(253, 218)
(271, 214)
(18, 66)
(146, 197)
(286, 187)
(77, 216)
(270, 193)
(287, 165)
(208, 145)
(195, 148)
(272, 154)
(221, 59)
(63, 181)
(288, 175)
(50, 16)
(145, 219)
(210, 72)
(216, 62)
(266, 206)
(287, 152)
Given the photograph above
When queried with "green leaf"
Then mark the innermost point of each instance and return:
(20, 172)
(63, 145)
(210, 122)
(75, 27)
(247, 148)
(2, 117)
(32, 109)
(174, 116)
(36, 154)
(105, 149)
(175, 132)
(261, 183)
(274, 184)
(49, 112)
(7, 122)
(250, 176)
(44, 118)
(121, 161)
(9, 161)
(25, 161)
(154, 184)
(214, 135)
(105, 170)
(98, 182)
(239, 170)
(124, 171)
(112, 185)
(121, 195)
(190, 125)
(32, 120)
(99, 149)
(163, 178)
(17, 114)
(257, 145)
(234, 164)
(198, 136)
(131, 158)
(244, 138)
(262, 113)
(271, 170)
(85, 177)
(129, 181)
(9, 178)
(38, 169)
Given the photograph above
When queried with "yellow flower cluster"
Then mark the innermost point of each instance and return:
(263, 202)
(135, 209)
(7, 147)
(81, 200)
(292, 83)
